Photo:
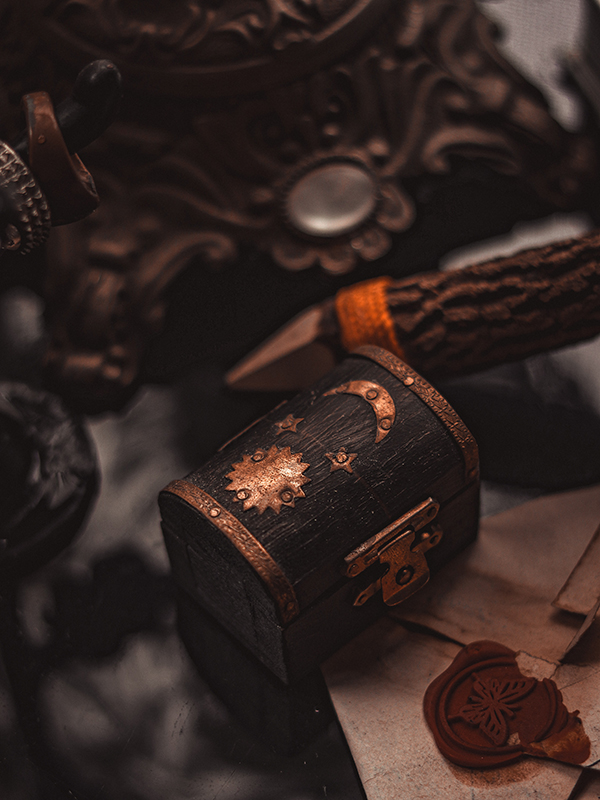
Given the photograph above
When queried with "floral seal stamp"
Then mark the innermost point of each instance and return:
(483, 712)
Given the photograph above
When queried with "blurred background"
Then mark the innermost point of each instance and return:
(99, 696)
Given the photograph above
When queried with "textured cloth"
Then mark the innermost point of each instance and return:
(364, 316)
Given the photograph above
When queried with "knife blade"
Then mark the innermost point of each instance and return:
(444, 324)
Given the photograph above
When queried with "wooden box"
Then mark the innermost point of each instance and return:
(285, 718)
(301, 530)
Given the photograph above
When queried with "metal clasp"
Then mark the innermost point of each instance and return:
(402, 547)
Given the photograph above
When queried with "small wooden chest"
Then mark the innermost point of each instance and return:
(299, 531)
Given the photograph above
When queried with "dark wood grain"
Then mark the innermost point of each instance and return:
(334, 512)
(284, 717)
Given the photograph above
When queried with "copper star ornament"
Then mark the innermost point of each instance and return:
(289, 424)
(341, 460)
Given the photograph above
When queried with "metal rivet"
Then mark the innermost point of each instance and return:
(385, 424)
(214, 512)
(372, 394)
(242, 494)
(409, 381)
(404, 575)
(331, 130)
(286, 496)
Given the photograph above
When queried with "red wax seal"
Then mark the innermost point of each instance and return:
(483, 712)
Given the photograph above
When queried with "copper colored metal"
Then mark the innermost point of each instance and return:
(342, 460)
(277, 584)
(368, 552)
(377, 397)
(483, 712)
(309, 517)
(438, 404)
(401, 548)
(68, 186)
(289, 424)
(269, 479)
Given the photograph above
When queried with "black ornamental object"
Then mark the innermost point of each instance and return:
(286, 145)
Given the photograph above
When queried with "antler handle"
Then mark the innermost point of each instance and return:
(452, 323)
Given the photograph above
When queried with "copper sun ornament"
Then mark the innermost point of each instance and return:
(269, 479)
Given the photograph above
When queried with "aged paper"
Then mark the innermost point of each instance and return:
(503, 586)
(377, 683)
(502, 589)
(582, 588)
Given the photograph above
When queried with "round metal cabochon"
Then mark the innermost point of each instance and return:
(331, 199)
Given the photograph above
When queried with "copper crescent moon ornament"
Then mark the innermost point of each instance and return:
(377, 397)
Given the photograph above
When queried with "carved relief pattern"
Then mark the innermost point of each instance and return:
(396, 110)
(193, 30)
(492, 703)
(194, 177)
(506, 714)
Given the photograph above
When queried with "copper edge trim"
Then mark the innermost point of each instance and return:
(251, 549)
(431, 397)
